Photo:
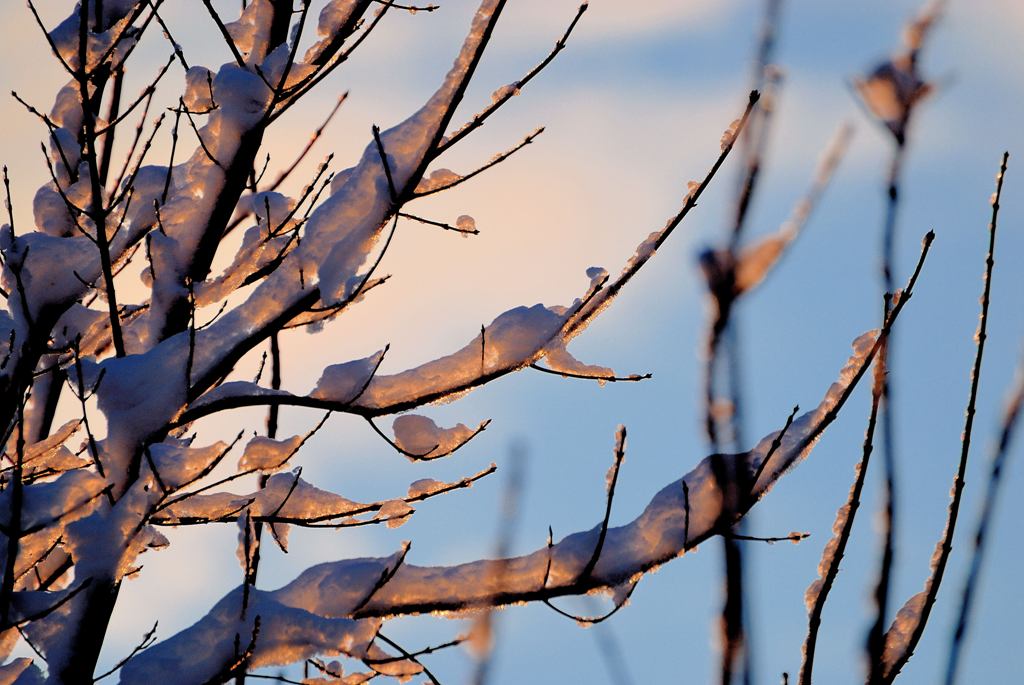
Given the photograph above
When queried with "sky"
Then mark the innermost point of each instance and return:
(633, 109)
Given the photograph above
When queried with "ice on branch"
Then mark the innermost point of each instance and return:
(251, 30)
(333, 17)
(177, 463)
(46, 265)
(198, 89)
(394, 512)
(276, 63)
(236, 391)
(828, 556)
(267, 454)
(425, 487)
(307, 617)
(51, 452)
(439, 178)
(67, 498)
(514, 339)
(286, 497)
(263, 244)
(65, 37)
(729, 136)
(87, 326)
(671, 524)
(346, 382)
(418, 437)
(897, 638)
(559, 359)
(137, 395)
(286, 632)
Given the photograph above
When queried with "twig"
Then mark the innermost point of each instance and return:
(503, 96)
(497, 159)
(199, 137)
(385, 164)
(7, 200)
(946, 543)
(135, 142)
(833, 555)
(771, 540)
(440, 224)
(147, 640)
(1001, 453)
(170, 39)
(875, 645)
(386, 574)
(224, 34)
(146, 93)
(410, 657)
(633, 377)
(595, 556)
(49, 39)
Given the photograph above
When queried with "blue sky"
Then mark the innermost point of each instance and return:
(634, 109)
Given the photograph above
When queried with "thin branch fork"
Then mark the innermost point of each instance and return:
(586, 573)
(412, 9)
(292, 94)
(497, 159)
(409, 656)
(287, 171)
(146, 93)
(503, 96)
(147, 641)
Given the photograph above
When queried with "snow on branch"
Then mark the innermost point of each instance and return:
(515, 339)
(287, 633)
(677, 519)
(73, 522)
(288, 499)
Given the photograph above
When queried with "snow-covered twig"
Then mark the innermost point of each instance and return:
(832, 555)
